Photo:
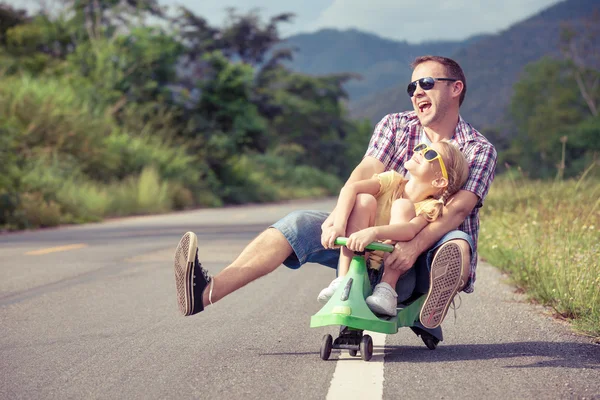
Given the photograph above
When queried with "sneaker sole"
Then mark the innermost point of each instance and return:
(184, 265)
(379, 310)
(446, 271)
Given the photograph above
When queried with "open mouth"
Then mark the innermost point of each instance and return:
(424, 106)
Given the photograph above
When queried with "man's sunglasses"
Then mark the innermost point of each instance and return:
(431, 155)
(426, 84)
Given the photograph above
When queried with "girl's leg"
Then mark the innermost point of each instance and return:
(361, 217)
(391, 276)
(384, 299)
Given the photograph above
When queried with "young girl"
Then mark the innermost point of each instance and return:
(391, 207)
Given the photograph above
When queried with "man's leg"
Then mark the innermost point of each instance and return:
(293, 241)
(449, 271)
(262, 256)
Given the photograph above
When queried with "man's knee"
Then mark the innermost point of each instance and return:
(302, 218)
(302, 231)
(272, 237)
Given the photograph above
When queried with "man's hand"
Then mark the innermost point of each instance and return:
(403, 257)
(329, 235)
(359, 240)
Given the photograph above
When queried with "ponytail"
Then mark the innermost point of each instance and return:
(431, 208)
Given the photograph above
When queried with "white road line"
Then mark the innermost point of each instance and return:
(354, 378)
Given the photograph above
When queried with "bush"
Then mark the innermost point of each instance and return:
(73, 164)
(261, 178)
(39, 212)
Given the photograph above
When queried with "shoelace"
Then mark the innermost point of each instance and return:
(454, 306)
(207, 278)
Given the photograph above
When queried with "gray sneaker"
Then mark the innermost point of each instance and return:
(326, 293)
(384, 300)
(445, 282)
(190, 278)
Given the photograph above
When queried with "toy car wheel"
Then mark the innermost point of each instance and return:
(430, 342)
(353, 353)
(326, 346)
(366, 348)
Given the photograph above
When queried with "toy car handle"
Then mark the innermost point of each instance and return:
(341, 241)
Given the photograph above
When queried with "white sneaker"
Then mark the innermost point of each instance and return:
(383, 300)
(326, 293)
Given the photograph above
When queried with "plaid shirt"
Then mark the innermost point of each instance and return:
(393, 141)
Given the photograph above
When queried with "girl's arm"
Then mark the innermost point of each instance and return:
(368, 167)
(347, 198)
(344, 207)
(404, 226)
(401, 232)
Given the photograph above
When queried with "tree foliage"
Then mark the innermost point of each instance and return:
(550, 113)
(208, 108)
(581, 45)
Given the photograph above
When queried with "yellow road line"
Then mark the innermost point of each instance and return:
(56, 249)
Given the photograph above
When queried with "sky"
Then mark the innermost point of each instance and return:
(410, 20)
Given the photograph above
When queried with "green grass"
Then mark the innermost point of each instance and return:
(547, 236)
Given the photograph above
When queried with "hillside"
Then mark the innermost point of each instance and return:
(381, 62)
(492, 65)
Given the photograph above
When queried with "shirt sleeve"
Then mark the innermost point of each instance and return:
(388, 180)
(482, 167)
(382, 144)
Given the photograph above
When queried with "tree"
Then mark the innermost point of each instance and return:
(546, 107)
(312, 115)
(9, 18)
(544, 104)
(103, 17)
(581, 47)
(246, 38)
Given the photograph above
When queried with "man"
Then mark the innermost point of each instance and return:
(447, 257)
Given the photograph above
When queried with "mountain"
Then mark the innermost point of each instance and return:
(492, 63)
(381, 62)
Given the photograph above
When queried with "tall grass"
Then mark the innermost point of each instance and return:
(79, 200)
(547, 236)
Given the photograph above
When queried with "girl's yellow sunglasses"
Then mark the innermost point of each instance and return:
(431, 155)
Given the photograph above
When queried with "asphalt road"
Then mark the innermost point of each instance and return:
(90, 312)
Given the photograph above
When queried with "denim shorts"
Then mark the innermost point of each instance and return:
(302, 229)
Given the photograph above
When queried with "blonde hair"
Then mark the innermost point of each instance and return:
(457, 167)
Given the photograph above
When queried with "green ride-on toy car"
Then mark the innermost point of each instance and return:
(347, 308)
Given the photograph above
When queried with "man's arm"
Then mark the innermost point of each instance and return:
(455, 212)
(368, 167)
